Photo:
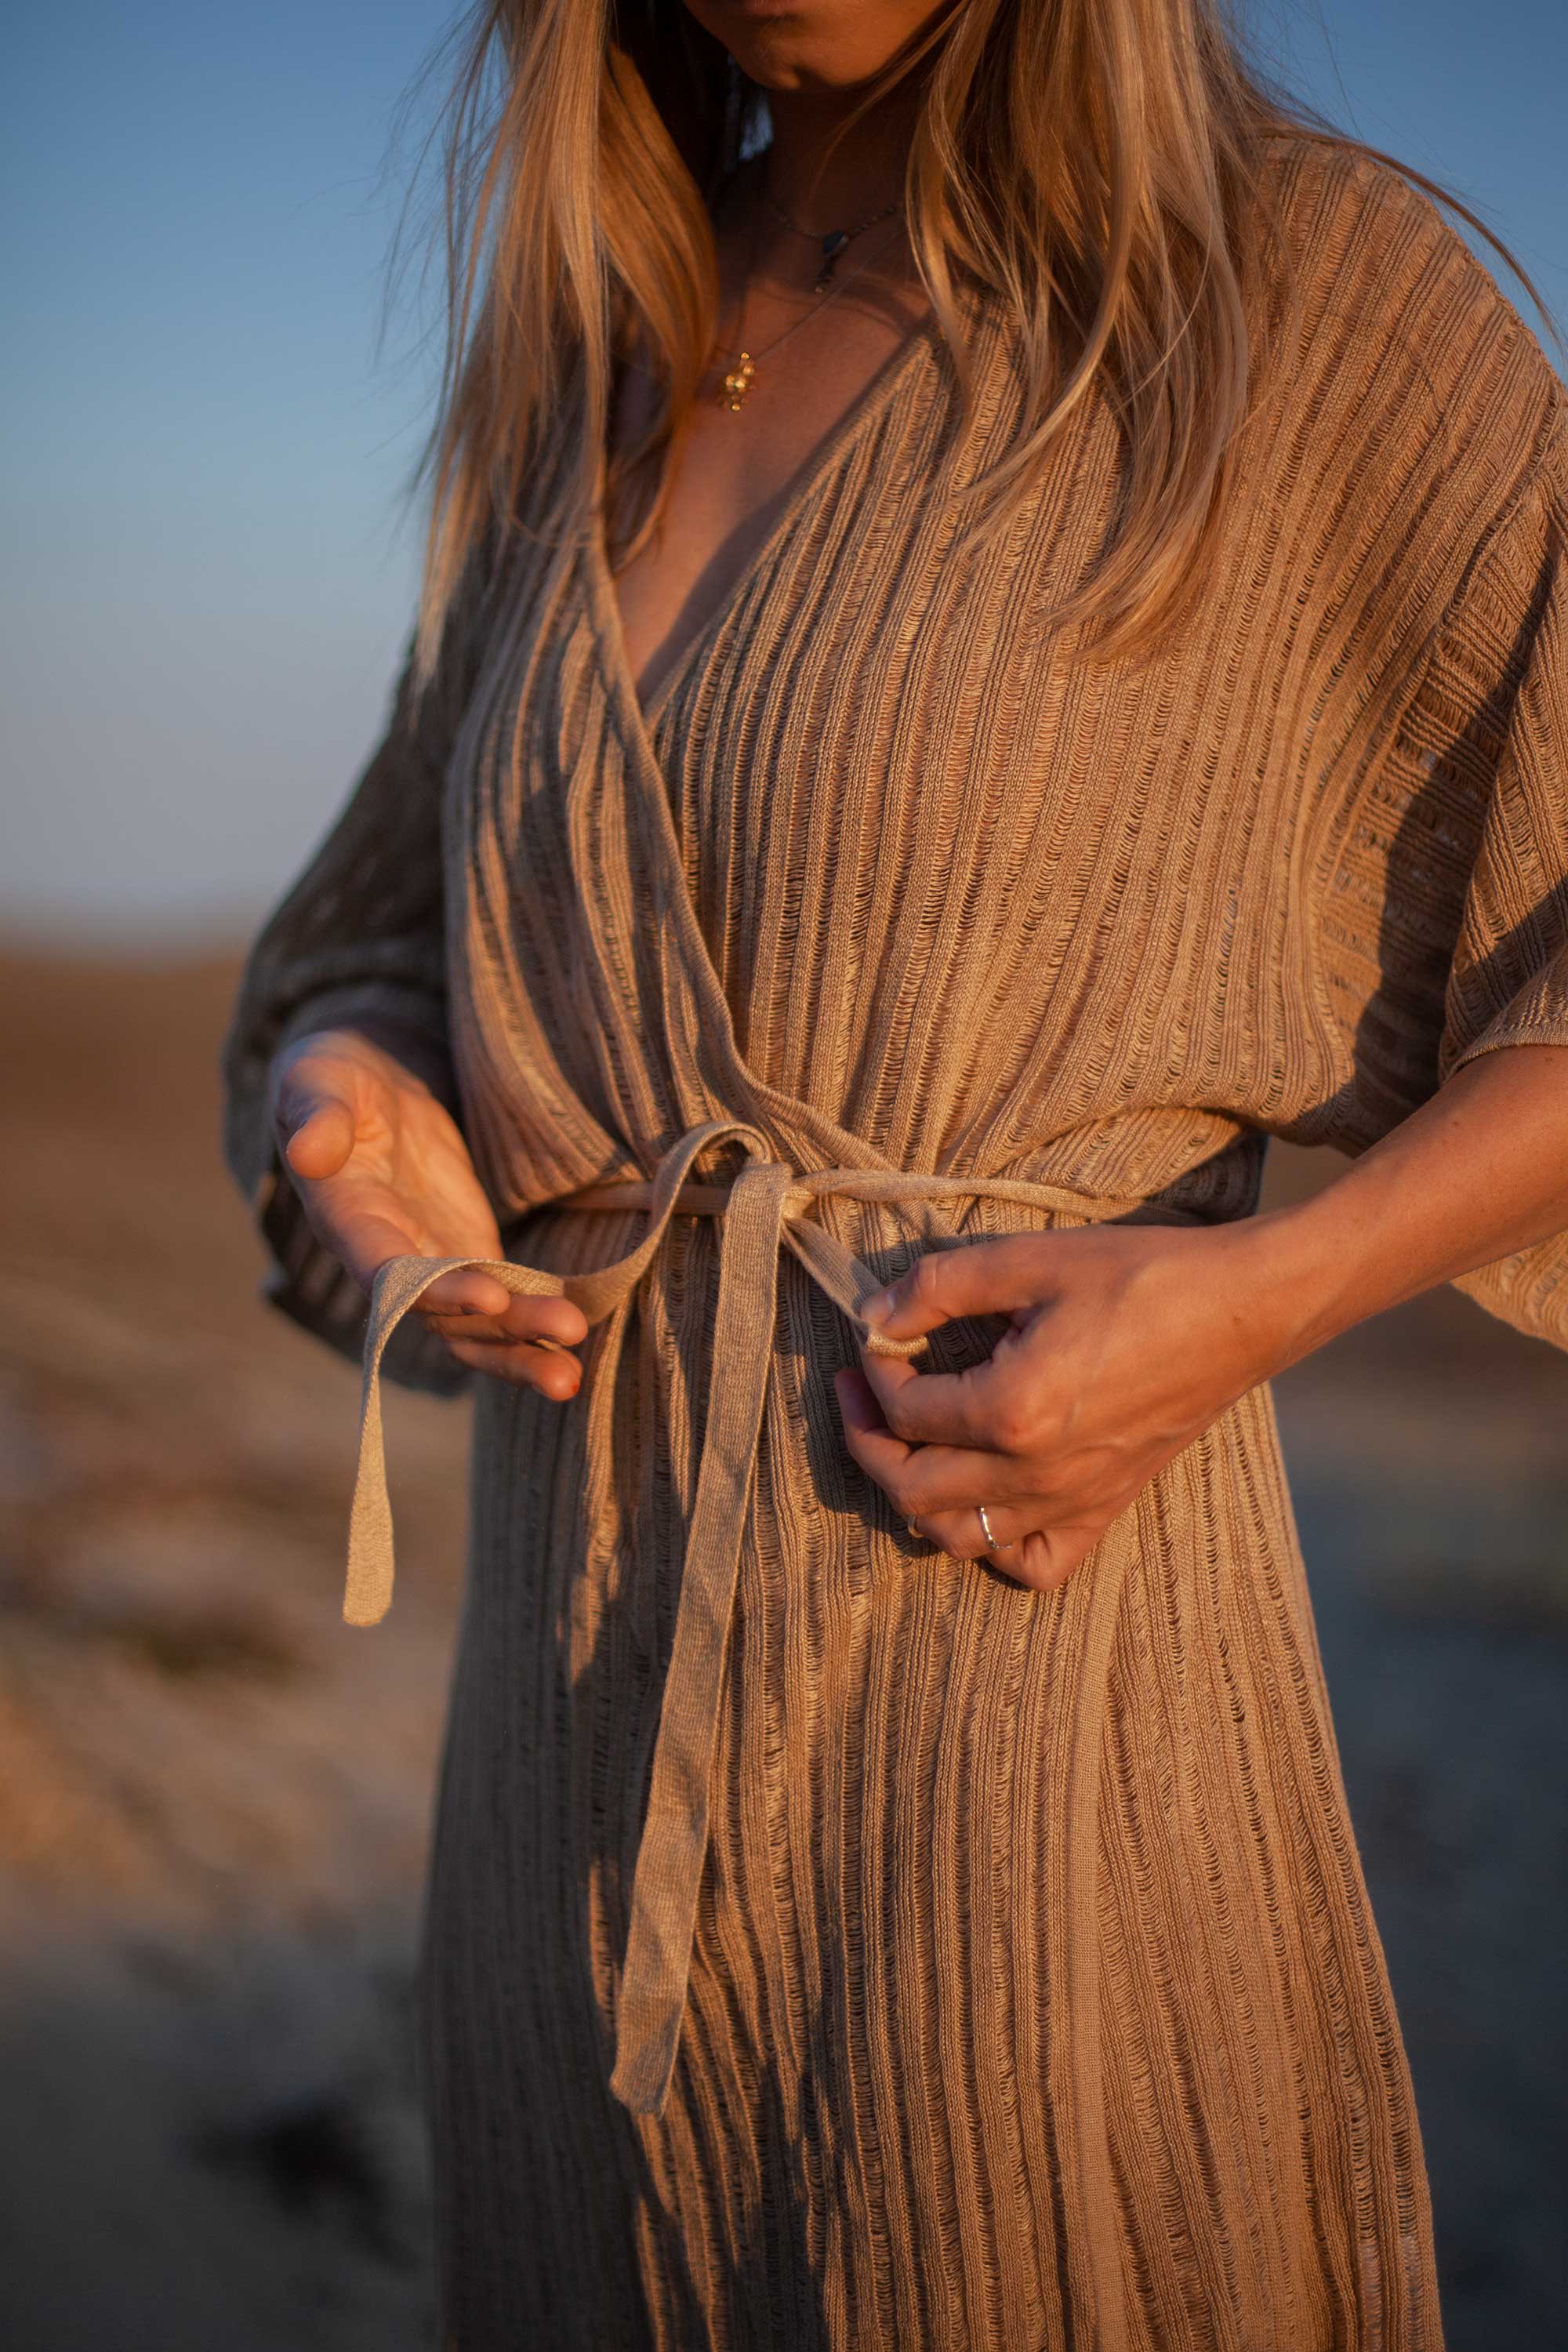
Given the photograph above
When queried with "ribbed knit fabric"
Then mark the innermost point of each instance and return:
(1032, 1998)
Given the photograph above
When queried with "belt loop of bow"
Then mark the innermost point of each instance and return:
(401, 1282)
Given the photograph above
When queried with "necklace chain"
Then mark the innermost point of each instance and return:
(830, 242)
(736, 382)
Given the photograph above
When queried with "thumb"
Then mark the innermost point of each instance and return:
(997, 1276)
(316, 1127)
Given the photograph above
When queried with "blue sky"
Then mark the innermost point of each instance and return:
(204, 576)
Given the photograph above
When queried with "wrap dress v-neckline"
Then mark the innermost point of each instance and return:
(639, 715)
(977, 1969)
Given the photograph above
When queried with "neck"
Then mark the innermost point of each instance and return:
(828, 186)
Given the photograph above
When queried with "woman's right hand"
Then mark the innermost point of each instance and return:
(381, 1170)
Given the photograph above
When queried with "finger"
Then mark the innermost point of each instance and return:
(917, 1478)
(990, 1277)
(961, 1532)
(549, 1370)
(870, 1442)
(555, 1319)
(1048, 1557)
(972, 1407)
(1041, 1558)
(536, 1322)
(318, 1135)
(930, 1478)
(861, 1414)
(958, 1534)
(501, 1313)
(466, 1293)
(1036, 1558)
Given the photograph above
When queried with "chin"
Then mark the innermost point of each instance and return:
(808, 43)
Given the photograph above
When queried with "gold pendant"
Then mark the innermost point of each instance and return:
(733, 388)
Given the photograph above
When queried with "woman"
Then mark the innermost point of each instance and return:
(981, 656)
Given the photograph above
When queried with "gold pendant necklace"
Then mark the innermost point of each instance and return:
(735, 384)
(733, 388)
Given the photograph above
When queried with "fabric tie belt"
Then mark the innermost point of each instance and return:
(766, 1205)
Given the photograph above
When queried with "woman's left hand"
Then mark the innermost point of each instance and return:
(1126, 1342)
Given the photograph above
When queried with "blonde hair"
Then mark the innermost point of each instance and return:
(1122, 218)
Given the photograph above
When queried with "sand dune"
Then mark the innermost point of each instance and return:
(214, 1795)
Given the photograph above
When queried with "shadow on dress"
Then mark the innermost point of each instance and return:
(1435, 845)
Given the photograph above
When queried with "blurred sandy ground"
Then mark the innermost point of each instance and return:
(214, 1796)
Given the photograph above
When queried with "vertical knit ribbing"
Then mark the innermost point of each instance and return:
(1035, 2002)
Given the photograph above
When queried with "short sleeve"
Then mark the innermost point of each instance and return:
(360, 933)
(1441, 931)
(1504, 674)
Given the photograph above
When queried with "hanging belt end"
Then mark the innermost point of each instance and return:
(364, 1603)
(367, 1589)
(367, 1586)
(648, 2019)
(645, 2066)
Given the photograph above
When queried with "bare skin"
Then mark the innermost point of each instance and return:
(732, 470)
(1126, 1341)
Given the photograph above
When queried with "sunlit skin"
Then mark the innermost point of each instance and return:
(730, 471)
(1126, 1341)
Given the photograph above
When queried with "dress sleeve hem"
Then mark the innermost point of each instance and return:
(1493, 1040)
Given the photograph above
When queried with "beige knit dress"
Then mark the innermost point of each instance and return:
(975, 1968)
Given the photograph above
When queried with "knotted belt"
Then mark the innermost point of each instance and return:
(766, 1205)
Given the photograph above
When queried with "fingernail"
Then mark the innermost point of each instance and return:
(876, 1309)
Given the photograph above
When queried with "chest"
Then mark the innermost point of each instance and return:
(876, 800)
(735, 470)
